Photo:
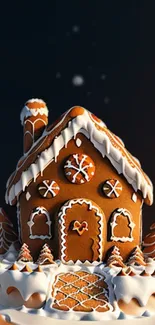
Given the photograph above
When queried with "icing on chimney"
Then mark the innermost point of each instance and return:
(34, 118)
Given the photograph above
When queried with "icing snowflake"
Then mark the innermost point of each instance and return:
(31, 223)
(113, 223)
(112, 188)
(48, 189)
(79, 168)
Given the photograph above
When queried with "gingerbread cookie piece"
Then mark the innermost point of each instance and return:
(112, 188)
(149, 243)
(45, 256)
(79, 168)
(136, 257)
(7, 234)
(48, 189)
(80, 291)
(24, 254)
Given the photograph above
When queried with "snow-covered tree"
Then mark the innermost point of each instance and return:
(136, 257)
(45, 256)
(149, 243)
(24, 254)
(115, 258)
(7, 233)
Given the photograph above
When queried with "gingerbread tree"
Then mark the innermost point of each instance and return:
(136, 257)
(115, 258)
(24, 254)
(149, 243)
(7, 234)
(45, 256)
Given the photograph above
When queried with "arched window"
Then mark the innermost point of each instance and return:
(122, 226)
(39, 224)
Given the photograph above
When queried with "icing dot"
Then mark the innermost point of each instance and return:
(78, 142)
(28, 195)
(134, 197)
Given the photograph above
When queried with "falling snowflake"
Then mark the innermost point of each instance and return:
(58, 75)
(75, 29)
(106, 100)
(103, 76)
(78, 80)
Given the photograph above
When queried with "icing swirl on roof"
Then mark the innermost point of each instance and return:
(47, 148)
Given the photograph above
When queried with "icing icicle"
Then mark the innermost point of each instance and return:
(74, 121)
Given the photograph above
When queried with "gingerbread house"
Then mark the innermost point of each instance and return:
(76, 187)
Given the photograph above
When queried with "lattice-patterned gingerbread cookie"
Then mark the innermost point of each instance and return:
(80, 291)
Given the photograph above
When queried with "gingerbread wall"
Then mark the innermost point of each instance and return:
(90, 190)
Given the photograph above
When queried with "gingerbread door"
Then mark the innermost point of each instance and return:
(82, 231)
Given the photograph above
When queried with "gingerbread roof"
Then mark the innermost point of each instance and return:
(46, 149)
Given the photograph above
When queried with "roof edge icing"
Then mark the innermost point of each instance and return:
(75, 120)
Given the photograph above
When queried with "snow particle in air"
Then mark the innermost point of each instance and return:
(106, 100)
(78, 80)
(103, 76)
(75, 29)
(58, 75)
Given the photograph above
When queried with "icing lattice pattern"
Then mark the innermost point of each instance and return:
(80, 291)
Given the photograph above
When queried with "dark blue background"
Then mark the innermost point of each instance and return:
(40, 52)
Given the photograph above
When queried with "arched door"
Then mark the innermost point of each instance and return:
(82, 231)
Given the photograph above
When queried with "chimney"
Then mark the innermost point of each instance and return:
(34, 118)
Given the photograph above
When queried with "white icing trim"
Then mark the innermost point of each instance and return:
(101, 141)
(33, 129)
(4, 242)
(31, 223)
(27, 283)
(148, 244)
(113, 223)
(78, 142)
(62, 213)
(26, 111)
(18, 221)
(134, 197)
(129, 287)
(150, 253)
(28, 195)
